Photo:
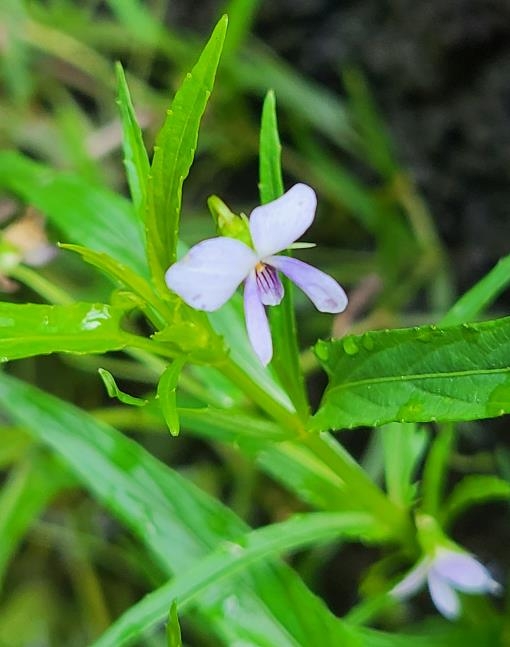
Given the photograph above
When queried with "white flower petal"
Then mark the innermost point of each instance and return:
(320, 288)
(412, 582)
(257, 324)
(210, 272)
(444, 596)
(276, 225)
(463, 572)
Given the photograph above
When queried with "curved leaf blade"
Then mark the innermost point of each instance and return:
(166, 394)
(114, 392)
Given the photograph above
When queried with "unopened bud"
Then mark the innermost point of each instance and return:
(229, 223)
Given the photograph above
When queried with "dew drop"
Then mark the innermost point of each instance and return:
(424, 334)
(350, 346)
(367, 342)
(322, 351)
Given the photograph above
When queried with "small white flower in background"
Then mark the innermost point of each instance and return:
(211, 271)
(446, 573)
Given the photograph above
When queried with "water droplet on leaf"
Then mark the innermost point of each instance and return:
(350, 346)
(367, 342)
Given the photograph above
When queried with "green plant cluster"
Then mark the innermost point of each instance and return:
(200, 555)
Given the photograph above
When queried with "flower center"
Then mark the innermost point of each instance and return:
(269, 286)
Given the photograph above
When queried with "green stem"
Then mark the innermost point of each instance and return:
(331, 454)
(364, 490)
(278, 412)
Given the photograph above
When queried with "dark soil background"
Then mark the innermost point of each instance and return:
(440, 73)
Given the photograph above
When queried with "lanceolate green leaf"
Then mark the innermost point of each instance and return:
(270, 541)
(416, 375)
(84, 213)
(283, 322)
(173, 155)
(136, 159)
(32, 329)
(270, 170)
(179, 524)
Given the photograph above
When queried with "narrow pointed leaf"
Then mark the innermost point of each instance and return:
(282, 318)
(136, 159)
(174, 152)
(416, 375)
(270, 170)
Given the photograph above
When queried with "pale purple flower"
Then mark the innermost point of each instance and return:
(446, 573)
(211, 271)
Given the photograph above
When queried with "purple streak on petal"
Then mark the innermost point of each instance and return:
(276, 225)
(208, 275)
(464, 572)
(320, 288)
(257, 324)
(444, 597)
(269, 285)
(412, 582)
